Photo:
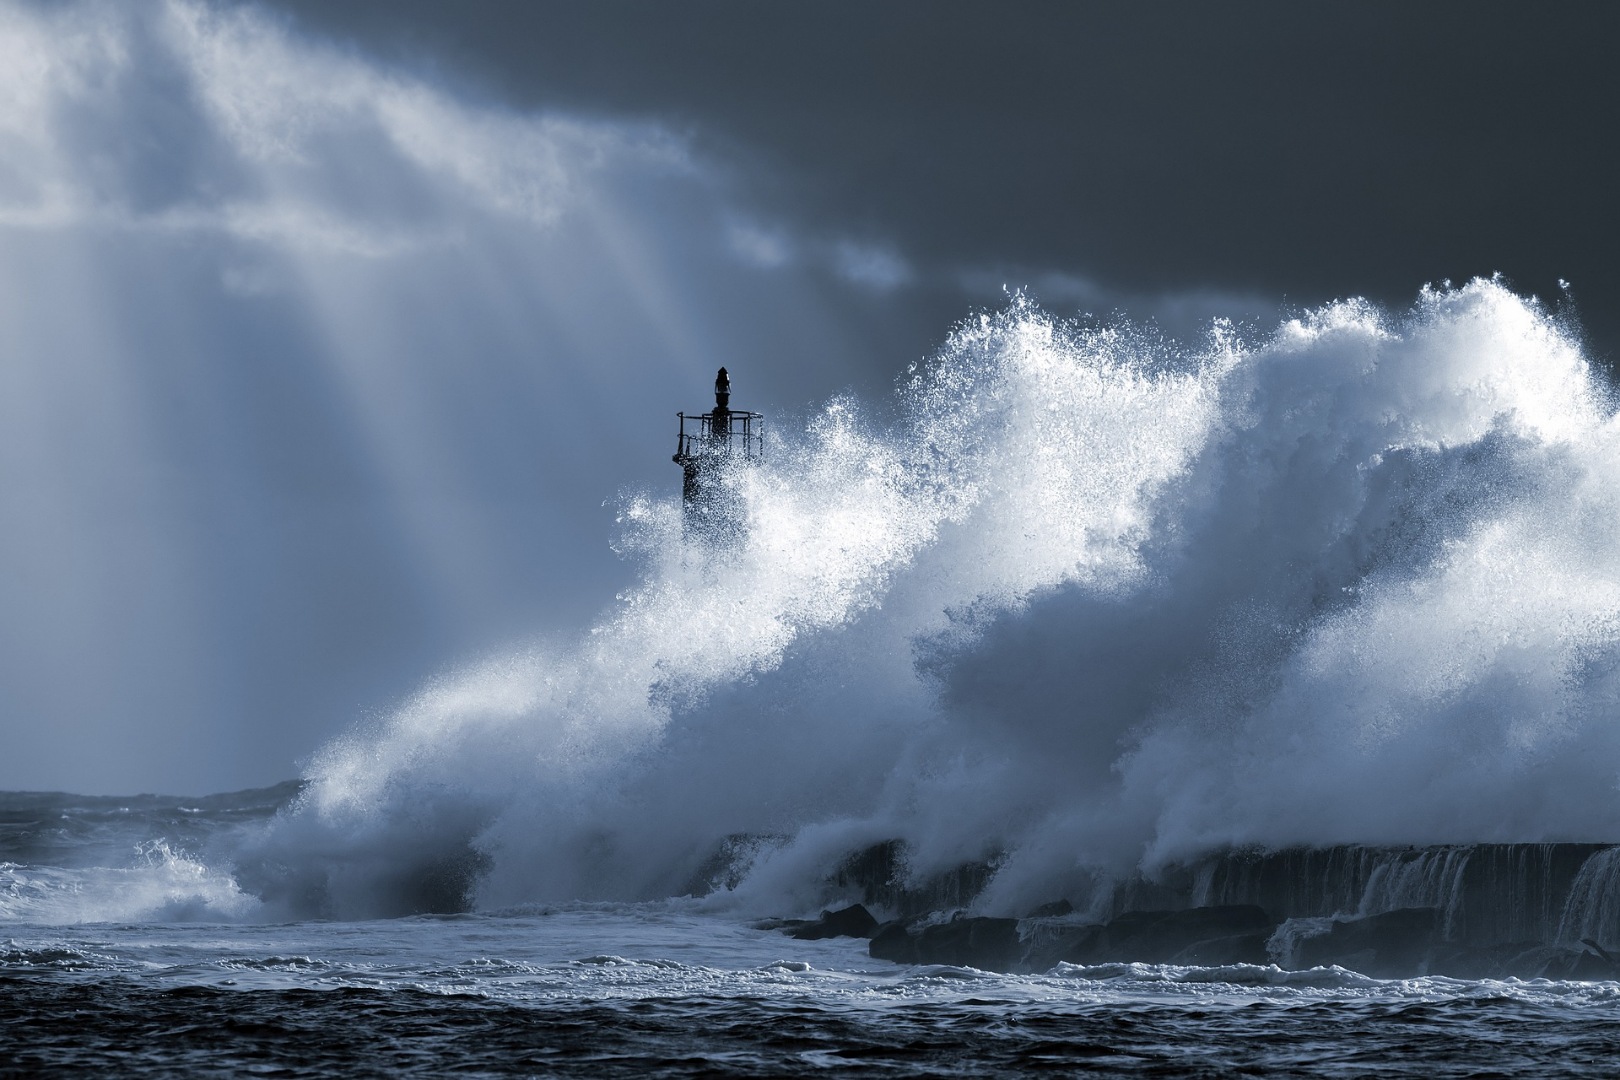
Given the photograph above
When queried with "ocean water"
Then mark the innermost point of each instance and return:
(1079, 605)
(151, 965)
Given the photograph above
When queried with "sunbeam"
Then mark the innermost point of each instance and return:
(404, 350)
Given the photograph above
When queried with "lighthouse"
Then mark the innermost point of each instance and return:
(706, 447)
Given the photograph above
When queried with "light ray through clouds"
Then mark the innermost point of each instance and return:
(316, 377)
(321, 377)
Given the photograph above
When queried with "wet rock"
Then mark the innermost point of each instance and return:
(1234, 934)
(1601, 953)
(879, 876)
(1162, 937)
(1558, 962)
(1055, 910)
(1222, 951)
(725, 866)
(853, 921)
(894, 941)
(1510, 959)
(977, 941)
(1394, 944)
(874, 872)
(1594, 967)
(1047, 944)
(1544, 962)
(787, 926)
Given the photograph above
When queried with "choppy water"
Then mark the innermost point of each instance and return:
(120, 953)
(616, 990)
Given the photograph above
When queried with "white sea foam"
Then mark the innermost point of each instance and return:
(159, 885)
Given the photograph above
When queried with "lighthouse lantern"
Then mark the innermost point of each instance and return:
(706, 445)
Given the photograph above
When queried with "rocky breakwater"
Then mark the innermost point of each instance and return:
(1474, 911)
(1207, 936)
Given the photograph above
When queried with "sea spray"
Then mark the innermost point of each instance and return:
(157, 884)
(1096, 603)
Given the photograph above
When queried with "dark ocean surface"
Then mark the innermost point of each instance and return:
(121, 955)
(927, 1023)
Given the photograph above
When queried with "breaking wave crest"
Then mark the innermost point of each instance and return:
(1086, 598)
(161, 885)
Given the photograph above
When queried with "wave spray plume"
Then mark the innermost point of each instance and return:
(1093, 601)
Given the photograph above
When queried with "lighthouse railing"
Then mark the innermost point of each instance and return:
(732, 432)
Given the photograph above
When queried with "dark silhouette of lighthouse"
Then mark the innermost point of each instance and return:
(722, 438)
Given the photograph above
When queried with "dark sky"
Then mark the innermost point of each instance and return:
(1305, 151)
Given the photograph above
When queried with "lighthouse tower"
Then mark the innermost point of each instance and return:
(706, 446)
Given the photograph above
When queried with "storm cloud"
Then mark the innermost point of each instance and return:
(1271, 150)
